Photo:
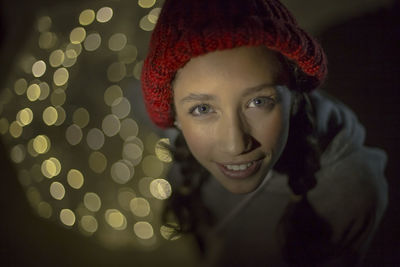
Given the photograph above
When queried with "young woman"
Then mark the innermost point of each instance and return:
(268, 171)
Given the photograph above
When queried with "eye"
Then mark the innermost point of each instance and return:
(261, 102)
(199, 110)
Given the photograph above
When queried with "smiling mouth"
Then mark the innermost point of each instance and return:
(240, 171)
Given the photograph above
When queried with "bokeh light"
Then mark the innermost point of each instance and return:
(143, 230)
(111, 125)
(116, 72)
(92, 42)
(44, 24)
(60, 76)
(50, 116)
(38, 68)
(77, 35)
(111, 94)
(67, 217)
(33, 92)
(97, 162)
(122, 172)
(95, 139)
(160, 189)
(57, 190)
(115, 219)
(17, 153)
(146, 3)
(20, 86)
(86, 17)
(104, 14)
(117, 42)
(92, 201)
(73, 134)
(139, 206)
(89, 224)
(41, 144)
(75, 178)
(15, 129)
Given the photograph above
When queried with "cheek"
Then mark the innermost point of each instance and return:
(198, 141)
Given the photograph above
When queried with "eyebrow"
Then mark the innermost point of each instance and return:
(207, 97)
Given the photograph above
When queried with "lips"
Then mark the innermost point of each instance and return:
(240, 171)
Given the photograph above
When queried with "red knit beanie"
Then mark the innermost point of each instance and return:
(189, 28)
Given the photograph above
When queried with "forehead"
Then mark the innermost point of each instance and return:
(242, 67)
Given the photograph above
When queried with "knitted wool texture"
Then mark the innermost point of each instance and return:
(189, 28)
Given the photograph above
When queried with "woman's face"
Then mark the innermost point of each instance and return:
(233, 108)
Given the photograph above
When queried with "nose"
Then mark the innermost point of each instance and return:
(235, 135)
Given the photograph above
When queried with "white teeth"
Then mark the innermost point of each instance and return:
(241, 167)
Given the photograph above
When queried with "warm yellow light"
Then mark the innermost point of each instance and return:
(117, 42)
(111, 125)
(160, 189)
(75, 178)
(47, 40)
(30, 148)
(20, 86)
(131, 152)
(154, 14)
(67, 217)
(56, 58)
(97, 162)
(152, 166)
(60, 76)
(143, 230)
(44, 23)
(3, 126)
(17, 153)
(57, 164)
(140, 207)
(89, 223)
(73, 134)
(51, 167)
(81, 117)
(145, 24)
(161, 150)
(33, 92)
(77, 35)
(116, 72)
(33, 196)
(39, 68)
(86, 17)
(146, 3)
(58, 97)
(57, 190)
(128, 54)
(44, 90)
(115, 219)
(92, 42)
(75, 47)
(92, 201)
(95, 139)
(121, 107)
(61, 116)
(121, 172)
(25, 116)
(129, 127)
(104, 14)
(69, 62)
(41, 144)
(44, 210)
(111, 94)
(137, 70)
(50, 116)
(169, 233)
(15, 129)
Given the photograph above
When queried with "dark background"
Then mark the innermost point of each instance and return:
(364, 71)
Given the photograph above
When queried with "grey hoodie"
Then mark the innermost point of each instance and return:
(350, 197)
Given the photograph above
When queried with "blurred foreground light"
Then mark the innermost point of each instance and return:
(129, 127)
(121, 107)
(47, 40)
(145, 24)
(50, 116)
(73, 134)
(92, 42)
(140, 207)
(154, 14)
(111, 125)
(97, 162)
(41, 144)
(56, 58)
(122, 172)
(137, 70)
(60, 76)
(143, 230)
(33, 92)
(75, 178)
(51, 167)
(73, 50)
(44, 90)
(17, 153)
(58, 97)
(111, 94)
(92, 201)
(86, 17)
(39, 68)
(61, 116)
(25, 116)
(146, 3)
(89, 224)
(168, 233)
(20, 86)
(117, 42)
(162, 151)
(132, 152)
(57, 190)
(77, 35)
(67, 217)
(104, 14)
(33, 196)
(15, 129)
(95, 139)
(160, 189)
(44, 210)
(115, 219)
(44, 24)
